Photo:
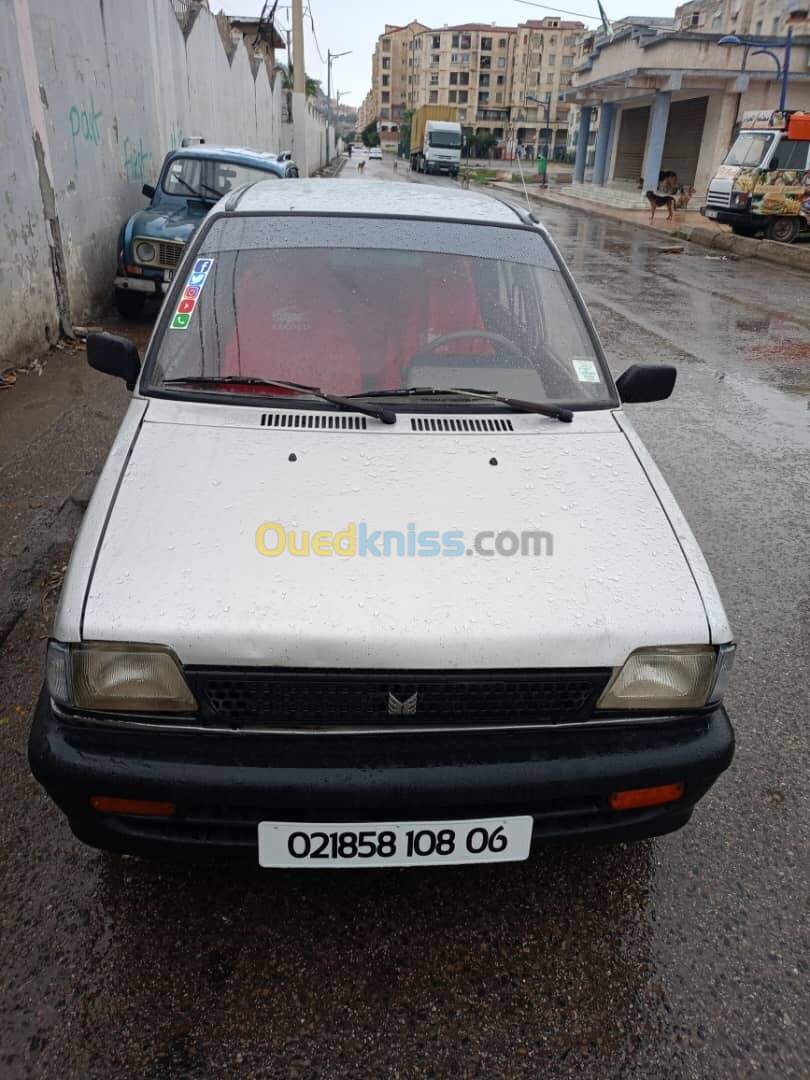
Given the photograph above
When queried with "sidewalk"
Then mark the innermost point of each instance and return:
(685, 225)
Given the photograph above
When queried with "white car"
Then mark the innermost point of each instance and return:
(375, 153)
(378, 572)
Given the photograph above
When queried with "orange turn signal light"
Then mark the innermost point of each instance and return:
(645, 796)
(134, 270)
(145, 807)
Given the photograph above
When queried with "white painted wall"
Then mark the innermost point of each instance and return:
(117, 85)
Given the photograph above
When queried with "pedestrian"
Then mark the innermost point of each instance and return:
(395, 163)
(350, 149)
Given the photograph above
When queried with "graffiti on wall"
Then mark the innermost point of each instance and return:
(84, 126)
(136, 161)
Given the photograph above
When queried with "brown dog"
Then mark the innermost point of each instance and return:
(465, 179)
(667, 182)
(360, 166)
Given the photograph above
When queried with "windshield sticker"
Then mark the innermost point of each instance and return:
(586, 370)
(191, 294)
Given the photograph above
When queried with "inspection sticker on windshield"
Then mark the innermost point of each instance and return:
(191, 294)
(586, 370)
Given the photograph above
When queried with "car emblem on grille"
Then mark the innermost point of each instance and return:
(402, 708)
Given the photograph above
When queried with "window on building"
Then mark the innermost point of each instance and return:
(525, 39)
(552, 60)
(464, 78)
(501, 61)
(758, 26)
(567, 61)
(486, 62)
(466, 41)
(436, 41)
(434, 97)
(396, 112)
(565, 79)
(486, 44)
(463, 97)
(386, 63)
(775, 27)
(454, 58)
(502, 43)
(384, 114)
(500, 80)
(549, 78)
(386, 44)
(538, 79)
(386, 97)
(569, 41)
(462, 114)
(452, 96)
(717, 21)
(454, 41)
(553, 39)
(499, 99)
(386, 79)
(454, 78)
(434, 59)
(434, 79)
(465, 58)
(483, 80)
(483, 97)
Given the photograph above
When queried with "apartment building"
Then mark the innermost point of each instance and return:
(491, 73)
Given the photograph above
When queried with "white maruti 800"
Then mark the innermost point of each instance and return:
(377, 572)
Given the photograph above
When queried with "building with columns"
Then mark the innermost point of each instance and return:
(670, 97)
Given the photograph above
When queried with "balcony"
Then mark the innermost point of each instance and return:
(492, 114)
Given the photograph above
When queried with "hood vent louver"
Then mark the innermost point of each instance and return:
(313, 421)
(438, 423)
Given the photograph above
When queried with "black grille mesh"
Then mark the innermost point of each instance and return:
(303, 699)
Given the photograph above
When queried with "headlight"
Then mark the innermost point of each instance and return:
(739, 199)
(670, 677)
(119, 677)
(145, 252)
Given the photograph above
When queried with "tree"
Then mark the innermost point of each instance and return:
(369, 136)
(405, 132)
(313, 86)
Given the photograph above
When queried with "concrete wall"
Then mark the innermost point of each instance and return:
(94, 94)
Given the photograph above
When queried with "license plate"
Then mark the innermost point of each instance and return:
(311, 846)
(711, 213)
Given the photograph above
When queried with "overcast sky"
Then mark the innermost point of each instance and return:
(340, 26)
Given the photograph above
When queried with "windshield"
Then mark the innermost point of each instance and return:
(354, 306)
(208, 178)
(450, 140)
(749, 149)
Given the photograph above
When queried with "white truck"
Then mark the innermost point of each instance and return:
(435, 140)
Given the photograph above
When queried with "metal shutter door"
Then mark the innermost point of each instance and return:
(630, 146)
(684, 136)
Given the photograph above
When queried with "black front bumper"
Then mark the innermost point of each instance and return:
(224, 784)
(742, 218)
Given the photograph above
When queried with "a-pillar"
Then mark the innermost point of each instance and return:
(582, 143)
(604, 141)
(655, 143)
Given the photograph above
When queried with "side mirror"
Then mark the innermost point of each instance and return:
(148, 190)
(646, 382)
(114, 355)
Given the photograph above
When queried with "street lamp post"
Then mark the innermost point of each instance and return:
(766, 48)
(330, 57)
(547, 124)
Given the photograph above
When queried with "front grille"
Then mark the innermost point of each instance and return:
(439, 423)
(169, 253)
(321, 421)
(305, 699)
(720, 200)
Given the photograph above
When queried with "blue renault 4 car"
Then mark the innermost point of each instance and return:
(191, 180)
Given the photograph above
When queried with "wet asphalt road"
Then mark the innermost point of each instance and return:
(682, 957)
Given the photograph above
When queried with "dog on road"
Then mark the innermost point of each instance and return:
(678, 200)
(360, 166)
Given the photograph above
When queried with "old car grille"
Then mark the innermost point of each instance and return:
(719, 199)
(169, 252)
(305, 699)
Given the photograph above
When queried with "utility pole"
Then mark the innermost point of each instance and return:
(299, 94)
(330, 56)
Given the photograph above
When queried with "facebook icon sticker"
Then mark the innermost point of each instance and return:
(202, 266)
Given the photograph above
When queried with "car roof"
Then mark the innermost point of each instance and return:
(372, 197)
(237, 155)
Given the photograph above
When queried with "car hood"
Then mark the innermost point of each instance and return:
(178, 563)
(175, 223)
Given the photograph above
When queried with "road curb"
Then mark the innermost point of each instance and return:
(744, 247)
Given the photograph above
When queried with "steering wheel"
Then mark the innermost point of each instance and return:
(466, 335)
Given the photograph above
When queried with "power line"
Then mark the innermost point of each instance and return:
(308, 11)
(560, 11)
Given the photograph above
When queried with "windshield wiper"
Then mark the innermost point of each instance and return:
(377, 412)
(193, 190)
(552, 411)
